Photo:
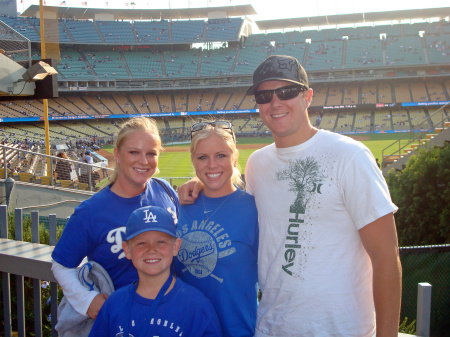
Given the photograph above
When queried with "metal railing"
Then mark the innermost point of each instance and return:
(416, 134)
(21, 259)
(45, 176)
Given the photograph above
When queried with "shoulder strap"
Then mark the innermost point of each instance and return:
(165, 188)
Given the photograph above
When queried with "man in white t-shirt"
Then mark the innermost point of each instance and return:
(328, 261)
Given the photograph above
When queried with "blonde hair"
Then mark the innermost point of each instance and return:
(130, 126)
(229, 138)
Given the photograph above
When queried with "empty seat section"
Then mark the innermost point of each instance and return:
(320, 95)
(152, 31)
(384, 93)
(152, 103)
(207, 100)
(180, 99)
(226, 29)
(217, 62)
(144, 64)
(107, 64)
(187, 31)
(116, 31)
(249, 59)
(419, 92)
(362, 121)
(335, 95)
(119, 104)
(363, 53)
(435, 90)
(438, 48)
(406, 50)
(64, 35)
(345, 121)
(324, 55)
(296, 50)
(417, 116)
(165, 101)
(140, 103)
(83, 31)
(181, 63)
(22, 26)
(222, 100)
(235, 100)
(368, 93)
(382, 120)
(402, 93)
(351, 92)
(400, 120)
(195, 101)
(73, 65)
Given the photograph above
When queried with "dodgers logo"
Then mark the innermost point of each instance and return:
(198, 253)
(203, 244)
(149, 216)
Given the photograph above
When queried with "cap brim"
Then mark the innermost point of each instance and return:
(254, 87)
(150, 230)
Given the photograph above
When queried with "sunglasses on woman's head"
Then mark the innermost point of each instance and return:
(226, 125)
(283, 93)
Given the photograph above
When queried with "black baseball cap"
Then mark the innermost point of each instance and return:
(279, 68)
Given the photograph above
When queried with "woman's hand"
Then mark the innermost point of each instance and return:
(96, 305)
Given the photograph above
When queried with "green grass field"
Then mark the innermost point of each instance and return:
(178, 164)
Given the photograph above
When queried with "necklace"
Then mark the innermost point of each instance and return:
(204, 206)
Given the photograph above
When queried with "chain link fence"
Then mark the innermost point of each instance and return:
(427, 264)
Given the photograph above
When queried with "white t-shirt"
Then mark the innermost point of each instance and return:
(314, 273)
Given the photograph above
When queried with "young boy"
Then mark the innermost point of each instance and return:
(158, 304)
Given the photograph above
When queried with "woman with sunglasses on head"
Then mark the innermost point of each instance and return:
(97, 227)
(219, 232)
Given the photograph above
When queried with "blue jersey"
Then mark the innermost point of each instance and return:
(97, 229)
(184, 311)
(219, 257)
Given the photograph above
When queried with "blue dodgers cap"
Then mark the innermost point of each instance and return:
(151, 218)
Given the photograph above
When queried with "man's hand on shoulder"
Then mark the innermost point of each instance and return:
(188, 192)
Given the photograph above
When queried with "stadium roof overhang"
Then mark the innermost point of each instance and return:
(83, 13)
(353, 18)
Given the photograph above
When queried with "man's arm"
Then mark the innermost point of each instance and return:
(188, 192)
(380, 241)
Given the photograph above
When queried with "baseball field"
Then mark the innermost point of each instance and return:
(175, 159)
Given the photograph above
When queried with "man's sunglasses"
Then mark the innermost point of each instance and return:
(283, 93)
(226, 125)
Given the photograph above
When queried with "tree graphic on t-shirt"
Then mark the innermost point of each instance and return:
(304, 178)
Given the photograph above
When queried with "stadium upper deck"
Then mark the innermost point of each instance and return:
(159, 54)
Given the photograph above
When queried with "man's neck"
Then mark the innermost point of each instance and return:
(295, 139)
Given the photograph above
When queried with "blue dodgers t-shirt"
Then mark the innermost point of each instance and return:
(184, 311)
(97, 227)
(219, 257)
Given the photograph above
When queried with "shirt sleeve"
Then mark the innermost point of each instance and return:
(76, 241)
(364, 190)
(76, 294)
